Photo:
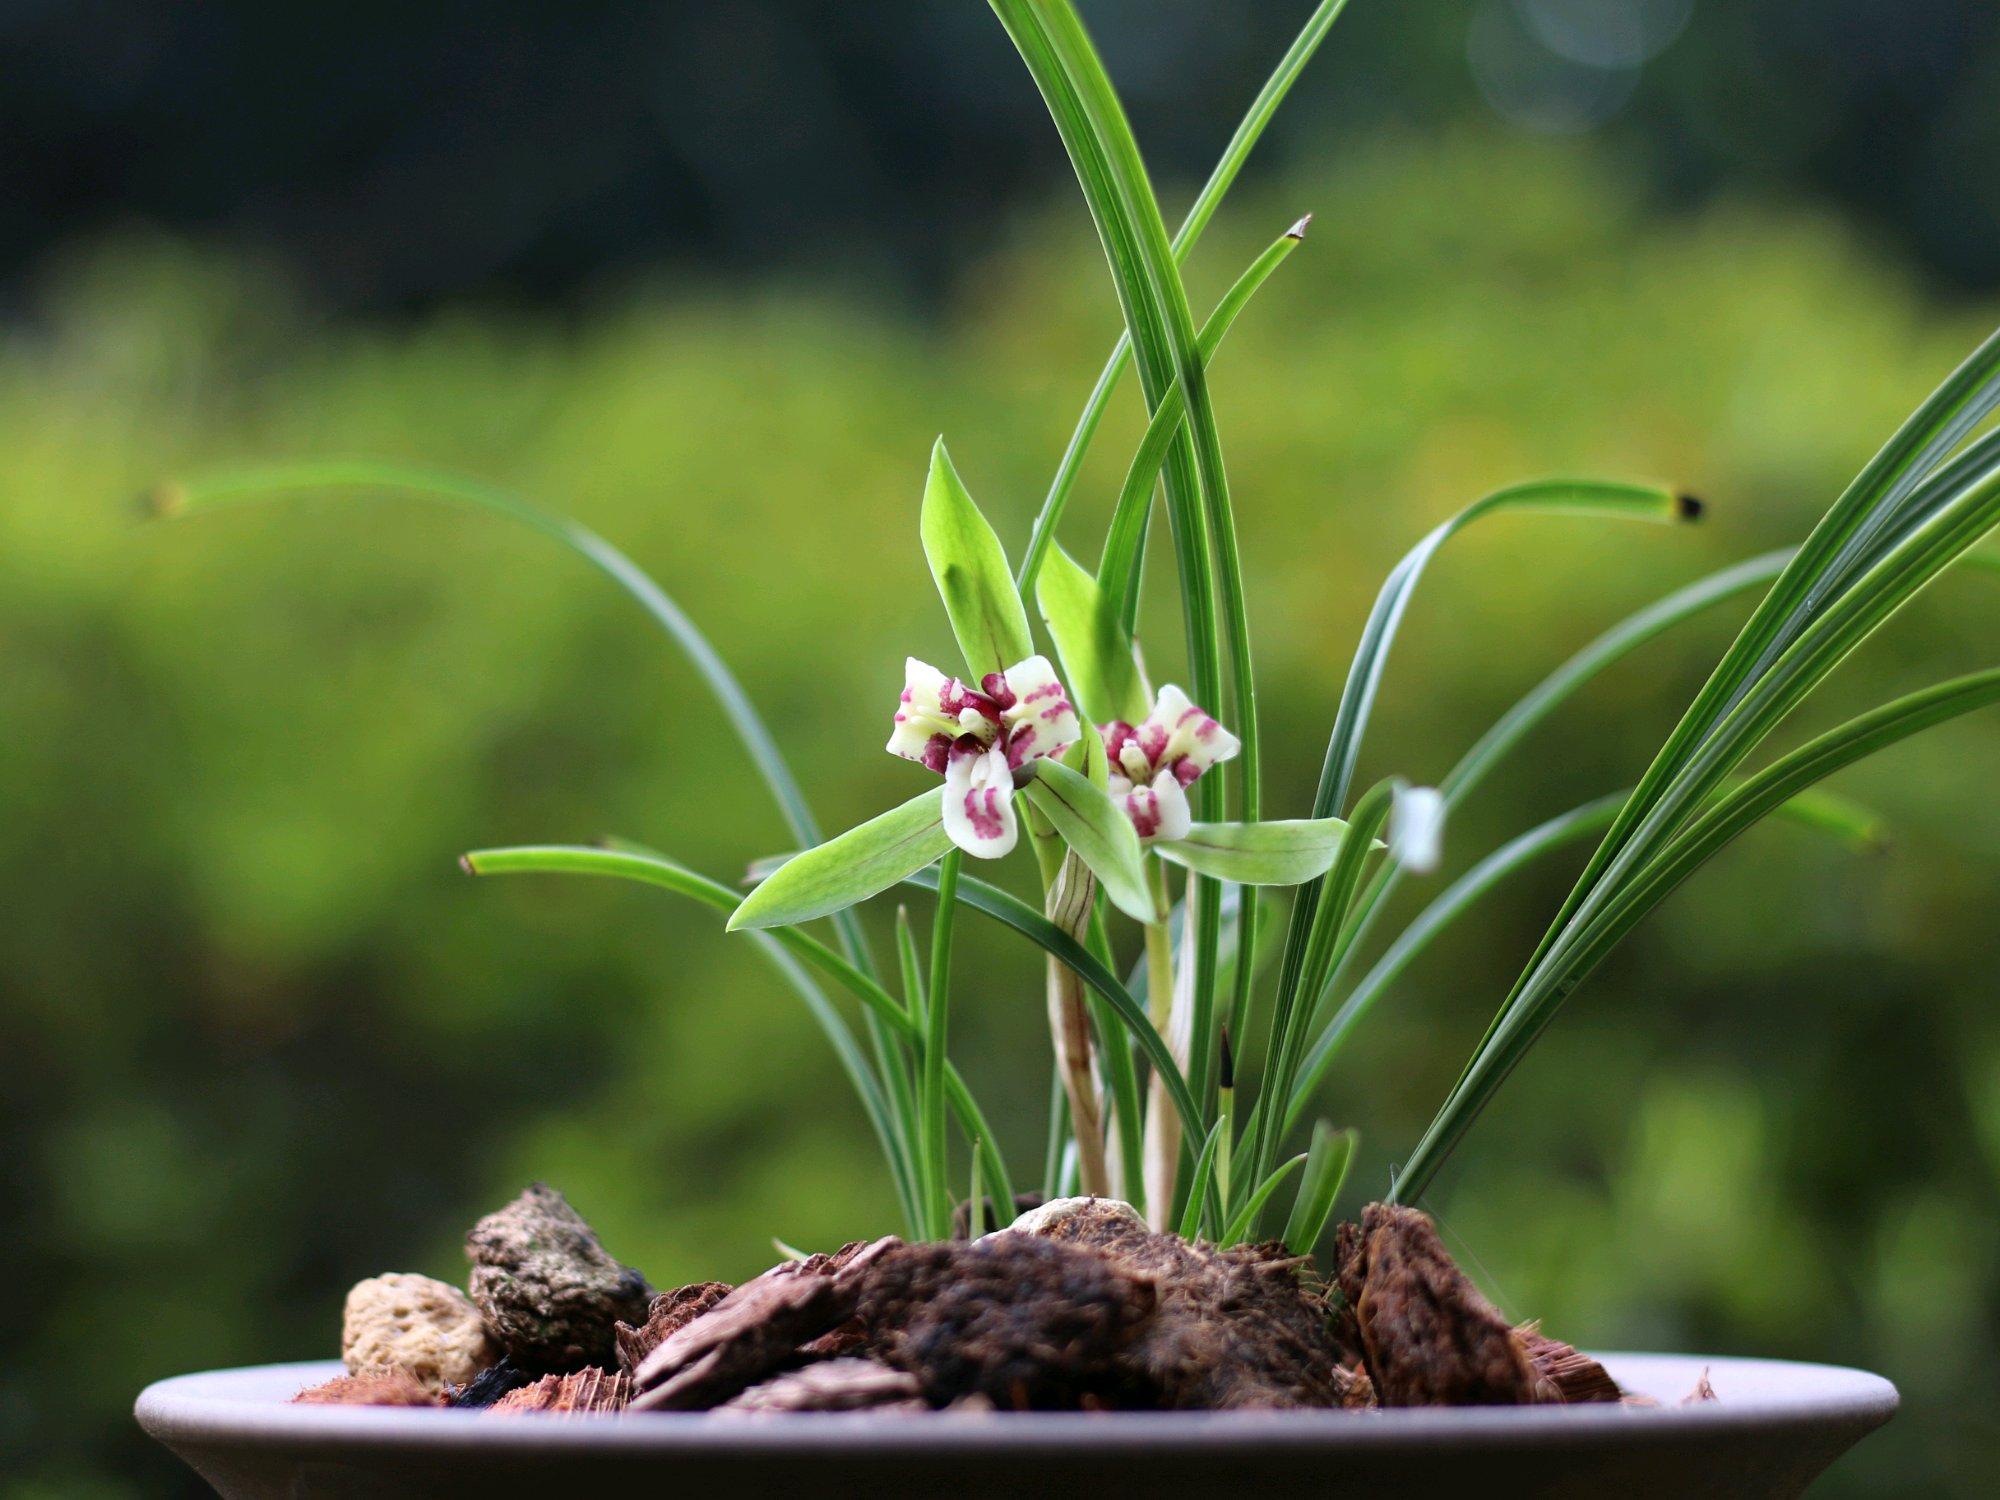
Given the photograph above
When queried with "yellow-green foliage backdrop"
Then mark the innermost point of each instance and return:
(260, 1037)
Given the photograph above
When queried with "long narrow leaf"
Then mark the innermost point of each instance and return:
(634, 862)
(1343, 751)
(1119, 567)
(1201, 1186)
(1535, 1003)
(1248, 130)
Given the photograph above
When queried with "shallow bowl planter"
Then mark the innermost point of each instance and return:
(1774, 1428)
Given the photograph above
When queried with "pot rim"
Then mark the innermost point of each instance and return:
(251, 1406)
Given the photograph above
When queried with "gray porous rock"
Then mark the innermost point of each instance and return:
(550, 1295)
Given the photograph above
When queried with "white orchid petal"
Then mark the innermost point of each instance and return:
(1416, 828)
(979, 801)
(1041, 720)
(1176, 818)
(934, 711)
(1187, 737)
(1159, 811)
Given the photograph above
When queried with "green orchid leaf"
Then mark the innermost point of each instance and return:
(1327, 1161)
(832, 876)
(1098, 830)
(1201, 1186)
(1099, 663)
(1246, 1217)
(1287, 852)
(972, 575)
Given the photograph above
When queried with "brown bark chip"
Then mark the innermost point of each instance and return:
(1235, 1328)
(1428, 1336)
(670, 1311)
(376, 1388)
(832, 1385)
(755, 1331)
(581, 1393)
(1028, 1324)
(1565, 1376)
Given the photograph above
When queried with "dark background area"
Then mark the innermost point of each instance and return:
(711, 277)
(406, 155)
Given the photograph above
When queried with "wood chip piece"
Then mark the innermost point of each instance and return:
(581, 1393)
(754, 1332)
(1565, 1376)
(1428, 1336)
(832, 1385)
(669, 1312)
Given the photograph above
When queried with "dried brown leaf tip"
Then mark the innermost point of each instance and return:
(1427, 1335)
(669, 1313)
(754, 1332)
(580, 1393)
(376, 1388)
(1566, 1376)
(833, 1385)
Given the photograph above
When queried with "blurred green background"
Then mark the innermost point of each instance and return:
(261, 1038)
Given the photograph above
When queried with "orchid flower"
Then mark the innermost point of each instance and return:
(982, 740)
(1153, 765)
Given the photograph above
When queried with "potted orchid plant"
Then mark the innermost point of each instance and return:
(1187, 1073)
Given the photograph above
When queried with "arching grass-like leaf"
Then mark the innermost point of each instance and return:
(1119, 568)
(972, 575)
(850, 867)
(634, 862)
(191, 497)
(1247, 133)
(1326, 929)
(1582, 944)
(1539, 702)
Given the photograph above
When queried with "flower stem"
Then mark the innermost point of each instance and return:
(1163, 1126)
(936, 1030)
(1068, 906)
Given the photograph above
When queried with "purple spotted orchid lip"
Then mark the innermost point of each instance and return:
(981, 740)
(1154, 764)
